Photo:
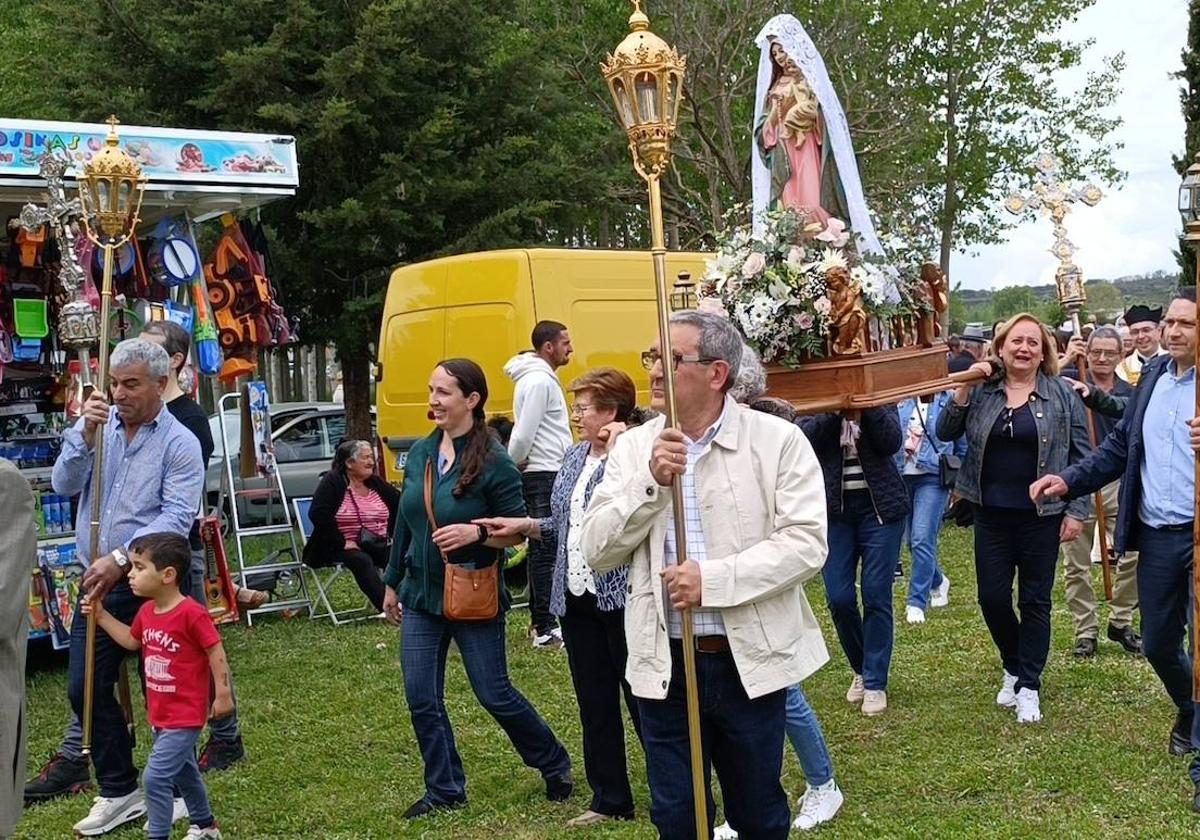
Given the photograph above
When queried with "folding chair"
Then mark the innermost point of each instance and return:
(324, 577)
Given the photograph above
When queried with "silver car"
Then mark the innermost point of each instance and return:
(304, 435)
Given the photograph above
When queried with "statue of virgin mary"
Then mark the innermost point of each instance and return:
(803, 158)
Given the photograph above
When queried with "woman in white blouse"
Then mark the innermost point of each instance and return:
(590, 607)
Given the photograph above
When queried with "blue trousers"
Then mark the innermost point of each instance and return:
(172, 766)
(112, 744)
(856, 535)
(804, 733)
(424, 642)
(1164, 586)
(924, 523)
(742, 739)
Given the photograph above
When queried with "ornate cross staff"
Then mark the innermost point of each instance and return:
(1054, 197)
(78, 328)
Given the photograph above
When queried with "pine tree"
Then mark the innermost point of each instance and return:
(1189, 100)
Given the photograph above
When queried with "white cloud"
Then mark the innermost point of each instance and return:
(1135, 228)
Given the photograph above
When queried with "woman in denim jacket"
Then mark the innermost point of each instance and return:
(1021, 424)
(590, 607)
(919, 461)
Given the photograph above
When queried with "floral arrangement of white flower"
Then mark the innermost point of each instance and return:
(774, 285)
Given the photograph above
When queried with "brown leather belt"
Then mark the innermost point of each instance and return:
(712, 644)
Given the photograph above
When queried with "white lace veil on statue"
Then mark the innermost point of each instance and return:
(800, 48)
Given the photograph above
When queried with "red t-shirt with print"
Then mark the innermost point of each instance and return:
(175, 655)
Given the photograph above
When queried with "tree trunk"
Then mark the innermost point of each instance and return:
(356, 389)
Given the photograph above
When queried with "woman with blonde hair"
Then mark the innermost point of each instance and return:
(1022, 423)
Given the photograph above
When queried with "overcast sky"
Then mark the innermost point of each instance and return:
(1133, 229)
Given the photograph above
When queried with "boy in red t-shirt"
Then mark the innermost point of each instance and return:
(181, 650)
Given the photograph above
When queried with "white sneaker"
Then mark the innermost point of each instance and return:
(195, 832)
(914, 615)
(179, 813)
(818, 805)
(548, 642)
(724, 832)
(108, 814)
(1007, 695)
(854, 694)
(874, 702)
(940, 597)
(1029, 706)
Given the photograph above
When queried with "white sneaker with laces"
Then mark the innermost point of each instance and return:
(724, 832)
(874, 702)
(195, 832)
(940, 597)
(914, 615)
(1029, 706)
(854, 694)
(818, 805)
(1007, 695)
(179, 813)
(108, 814)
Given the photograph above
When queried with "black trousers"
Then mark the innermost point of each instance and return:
(537, 487)
(1017, 543)
(596, 655)
(365, 569)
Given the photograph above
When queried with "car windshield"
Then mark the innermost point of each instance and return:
(233, 427)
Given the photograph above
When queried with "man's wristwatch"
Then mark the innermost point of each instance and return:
(483, 534)
(121, 559)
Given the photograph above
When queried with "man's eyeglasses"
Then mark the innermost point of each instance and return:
(580, 409)
(652, 357)
(1105, 354)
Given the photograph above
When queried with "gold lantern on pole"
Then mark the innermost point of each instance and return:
(110, 194)
(645, 76)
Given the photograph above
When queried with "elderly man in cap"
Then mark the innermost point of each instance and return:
(1143, 324)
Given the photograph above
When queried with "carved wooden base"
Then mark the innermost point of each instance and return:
(852, 383)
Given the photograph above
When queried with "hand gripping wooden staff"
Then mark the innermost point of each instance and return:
(645, 77)
(111, 189)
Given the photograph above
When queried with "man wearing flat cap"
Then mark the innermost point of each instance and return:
(1143, 324)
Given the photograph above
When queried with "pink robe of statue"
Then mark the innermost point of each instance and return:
(803, 190)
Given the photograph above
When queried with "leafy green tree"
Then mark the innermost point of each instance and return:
(1189, 100)
(1010, 300)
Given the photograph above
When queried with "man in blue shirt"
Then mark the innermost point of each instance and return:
(1153, 448)
(152, 477)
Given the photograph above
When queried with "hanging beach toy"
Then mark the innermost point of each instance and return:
(29, 318)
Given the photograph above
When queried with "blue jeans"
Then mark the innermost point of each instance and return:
(112, 743)
(742, 739)
(804, 731)
(424, 641)
(857, 534)
(172, 766)
(1164, 585)
(924, 524)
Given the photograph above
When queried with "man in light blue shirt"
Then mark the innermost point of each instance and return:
(152, 479)
(1153, 448)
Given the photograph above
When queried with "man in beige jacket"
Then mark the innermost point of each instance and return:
(755, 509)
(18, 544)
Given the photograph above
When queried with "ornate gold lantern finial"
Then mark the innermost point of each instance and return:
(1189, 202)
(111, 188)
(645, 76)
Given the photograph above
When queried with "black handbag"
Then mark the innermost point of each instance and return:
(948, 463)
(370, 542)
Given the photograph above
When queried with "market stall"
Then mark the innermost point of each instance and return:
(225, 297)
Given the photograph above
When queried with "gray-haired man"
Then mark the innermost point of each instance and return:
(152, 478)
(1106, 394)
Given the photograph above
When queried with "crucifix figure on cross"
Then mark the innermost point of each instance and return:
(1054, 197)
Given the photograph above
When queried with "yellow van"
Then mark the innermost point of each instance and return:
(484, 306)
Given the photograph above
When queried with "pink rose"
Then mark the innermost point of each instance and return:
(753, 265)
(805, 321)
(823, 306)
(835, 233)
(713, 306)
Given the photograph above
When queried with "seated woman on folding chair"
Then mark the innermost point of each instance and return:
(353, 512)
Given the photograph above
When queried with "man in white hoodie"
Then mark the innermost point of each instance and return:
(540, 438)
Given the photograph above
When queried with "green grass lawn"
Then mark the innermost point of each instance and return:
(332, 753)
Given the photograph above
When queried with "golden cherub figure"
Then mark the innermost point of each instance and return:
(846, 314)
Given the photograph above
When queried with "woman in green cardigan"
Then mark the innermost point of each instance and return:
(473, 478)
